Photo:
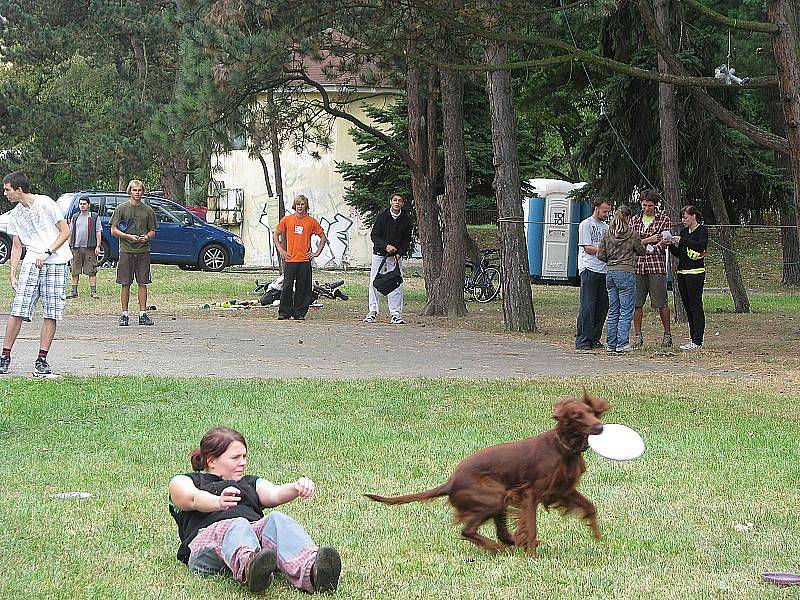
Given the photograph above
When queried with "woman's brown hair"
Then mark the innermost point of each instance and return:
(214, 443)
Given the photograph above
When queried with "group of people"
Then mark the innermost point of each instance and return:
(37, 225)
(623, 262)
(391, 240)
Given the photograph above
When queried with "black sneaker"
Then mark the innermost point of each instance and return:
(124, 321)
(258, 572)
(5, 362)
(326, 570)
(145, 320)
(41, 368)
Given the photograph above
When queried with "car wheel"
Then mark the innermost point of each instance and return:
(5, 249)
(105, 252)
(213, 258)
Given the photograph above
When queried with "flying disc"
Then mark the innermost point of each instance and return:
(782, 578)
(122, 226)
(617, 442)
(666, 234)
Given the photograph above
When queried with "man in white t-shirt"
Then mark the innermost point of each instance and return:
(592, 271)
(37, 224)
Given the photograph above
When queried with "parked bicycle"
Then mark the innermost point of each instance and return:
(482, 282)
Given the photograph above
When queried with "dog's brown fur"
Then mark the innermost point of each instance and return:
(544, 469)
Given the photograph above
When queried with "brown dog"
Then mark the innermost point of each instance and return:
(544, 469)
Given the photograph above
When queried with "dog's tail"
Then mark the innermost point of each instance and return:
(442, 490)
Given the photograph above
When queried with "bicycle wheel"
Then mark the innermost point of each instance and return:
(468, 289)
(487, 287)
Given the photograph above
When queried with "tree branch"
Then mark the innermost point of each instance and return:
(758, 26)
(759, 136)
(386, 139)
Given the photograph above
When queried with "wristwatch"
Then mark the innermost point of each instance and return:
(49, 252)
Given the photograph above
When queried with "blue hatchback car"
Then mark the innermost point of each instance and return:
(181, 238)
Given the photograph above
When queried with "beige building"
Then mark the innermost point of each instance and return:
(246, 207)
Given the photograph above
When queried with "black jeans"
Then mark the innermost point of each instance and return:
(593, 310)
(296, 290)
(691, 289)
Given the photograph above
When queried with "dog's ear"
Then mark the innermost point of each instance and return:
(596, 403)
(560, 408)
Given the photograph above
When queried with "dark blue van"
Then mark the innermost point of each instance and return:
(181, 238)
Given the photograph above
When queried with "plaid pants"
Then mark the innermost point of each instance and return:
(227, 546)
(47, 283)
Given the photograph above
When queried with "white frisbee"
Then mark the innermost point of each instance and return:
(617, 442)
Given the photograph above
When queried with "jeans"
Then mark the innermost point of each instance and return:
(691, 289)
(241, 540)
(594, 306)
(621, 287)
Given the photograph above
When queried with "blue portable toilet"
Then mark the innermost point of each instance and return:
(552, 232)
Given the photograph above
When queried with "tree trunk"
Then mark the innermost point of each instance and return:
(727, 239)
(122, 184)
(275, 147)
(786, 49)
(173, 178)
(447, 296)
(265, 171)
(518, 310)
(427, 210)
(790, 243)
(668, 129)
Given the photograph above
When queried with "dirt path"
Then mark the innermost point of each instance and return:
(232, 347)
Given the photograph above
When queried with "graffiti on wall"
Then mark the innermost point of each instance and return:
(335, 253)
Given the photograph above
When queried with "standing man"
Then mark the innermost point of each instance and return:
(651, 269)
(85, 235)
(592, 271)
(37, 224)
(134, 224)
(297, 230)
(391, 236)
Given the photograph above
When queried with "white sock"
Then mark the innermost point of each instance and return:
(124, 313)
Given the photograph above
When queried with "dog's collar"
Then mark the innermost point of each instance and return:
(569, 448)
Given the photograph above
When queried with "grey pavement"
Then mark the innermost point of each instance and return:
(232, 346)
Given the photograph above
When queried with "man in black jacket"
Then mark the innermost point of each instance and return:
(391, 237)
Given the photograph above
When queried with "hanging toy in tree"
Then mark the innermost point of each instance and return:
(728, 75)
(726, 72)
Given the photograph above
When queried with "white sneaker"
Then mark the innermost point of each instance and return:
(690, 346)
(625, 348)
(371, 317)
(397, 320)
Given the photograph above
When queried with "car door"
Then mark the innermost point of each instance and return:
(174, 242)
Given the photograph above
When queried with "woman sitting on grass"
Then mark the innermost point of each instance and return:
(222, 527)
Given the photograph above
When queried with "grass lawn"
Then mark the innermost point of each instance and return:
(720, 453)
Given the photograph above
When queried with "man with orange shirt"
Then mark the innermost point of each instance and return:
(297, 230)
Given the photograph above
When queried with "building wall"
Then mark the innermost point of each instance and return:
(316, 178)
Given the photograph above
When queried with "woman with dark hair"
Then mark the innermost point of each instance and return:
(620, 248)
(222, 527)
(690, 249)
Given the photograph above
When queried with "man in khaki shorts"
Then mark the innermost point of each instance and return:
(85, 236)
(134, 224)
(651, 269)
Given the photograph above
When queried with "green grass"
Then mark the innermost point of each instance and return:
(719, 453)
